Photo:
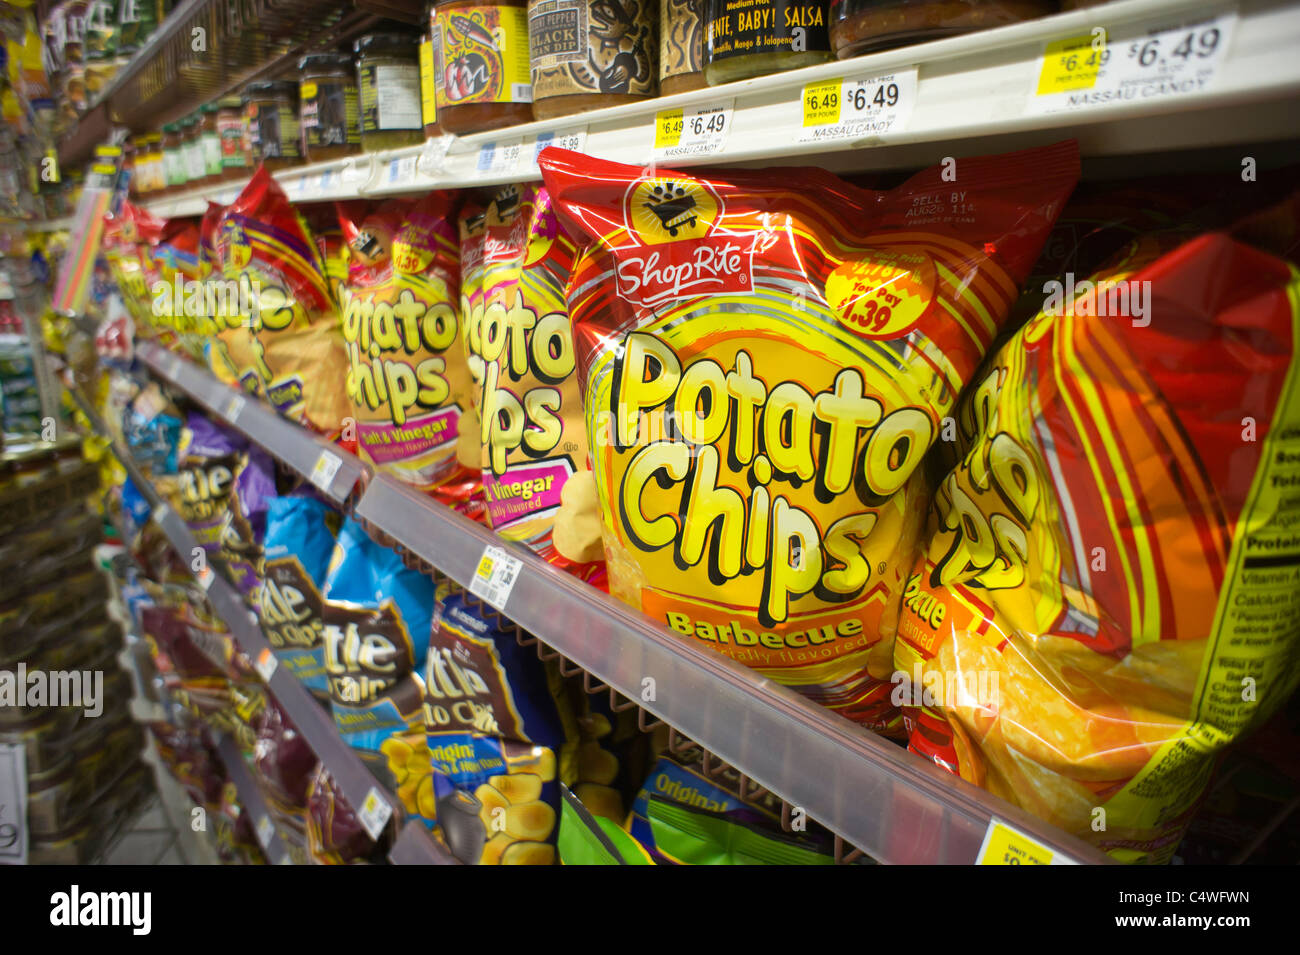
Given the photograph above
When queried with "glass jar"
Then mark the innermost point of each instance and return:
(173, 146)
(194, 170)
(210, 138)
(428, 99)
(273, 123)
(738, 44)
(235, 162)
(681, 46)
(138, 157)
(328, 101)
(584, 57)
(864, 26)
(156, 163)
(481, 74)
(388, 85)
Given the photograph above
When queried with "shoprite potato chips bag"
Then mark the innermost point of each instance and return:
(408, 382)
(279, 333)
(766, 357)
(1110, 590)
(516, 330)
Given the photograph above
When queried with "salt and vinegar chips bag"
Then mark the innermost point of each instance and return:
(285, 346)
(377, 616)
(1110, 589)
(766, 356)
(516, 329)
(408, 383)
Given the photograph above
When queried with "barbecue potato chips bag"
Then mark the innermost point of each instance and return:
(377, 616)
(1110, 589)
(278, 332)
(516, 329)
(766, 357)
(407, 382)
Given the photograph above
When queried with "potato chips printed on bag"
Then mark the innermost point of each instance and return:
(1110, 588)
(278, 330)
(766, 356)
(408, 382)
(516, 330)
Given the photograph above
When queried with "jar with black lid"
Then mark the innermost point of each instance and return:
(273, 123)
(388, 84)
(866, 26)
(235, 162)
(328, 118)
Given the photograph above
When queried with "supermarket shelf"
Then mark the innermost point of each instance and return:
(875, 795)
(350, 774)
(250, 797)
(311, 457)
(977, 88)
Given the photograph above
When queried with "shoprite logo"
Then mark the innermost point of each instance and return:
(676, 218)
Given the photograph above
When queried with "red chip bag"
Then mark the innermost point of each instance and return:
(766, 356)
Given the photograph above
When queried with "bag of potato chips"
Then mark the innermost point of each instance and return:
(408, 382)
(1110, 587)
(500, 732)
(516, 330)
(278, 331)
(766, 356)
(377, 615)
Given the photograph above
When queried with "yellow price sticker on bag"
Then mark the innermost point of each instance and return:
(1005, 845)
(668, 128)
(1072, 64)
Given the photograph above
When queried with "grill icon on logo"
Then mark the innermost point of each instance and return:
(672, 206)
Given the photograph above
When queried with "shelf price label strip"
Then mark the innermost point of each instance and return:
(857, 107)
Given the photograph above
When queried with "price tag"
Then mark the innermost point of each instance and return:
(204, 576)
(1132, 65)
(401, 170)
(574, 139)
(857, 108)
(13, 803)
(326, 177)
(495, 577)
(375, 813)
(326, 466)
(159, 513)
(1006, 845)
(234, 404)
(500, 157)
(265, 664)
(265, 831)
(696, 131)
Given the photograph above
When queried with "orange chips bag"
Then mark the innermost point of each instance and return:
(1110, 590)
(766, 357)
(408, 383)
(516, 330)
(278, 333)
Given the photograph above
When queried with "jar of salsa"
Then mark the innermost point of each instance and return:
(173, 146)
(327, 96)
(742, 41)
(864, 26)
(388, 84)
(273, 123)
(480, 64)
(428, 98)
(681, 46)
(194, 170)
(235, 162)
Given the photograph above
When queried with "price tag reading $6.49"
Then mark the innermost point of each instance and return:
(857, 108)
(697, 131)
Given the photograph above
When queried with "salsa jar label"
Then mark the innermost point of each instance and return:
(480, 55)
(746, 27)
(329, 114)
(681, 33)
